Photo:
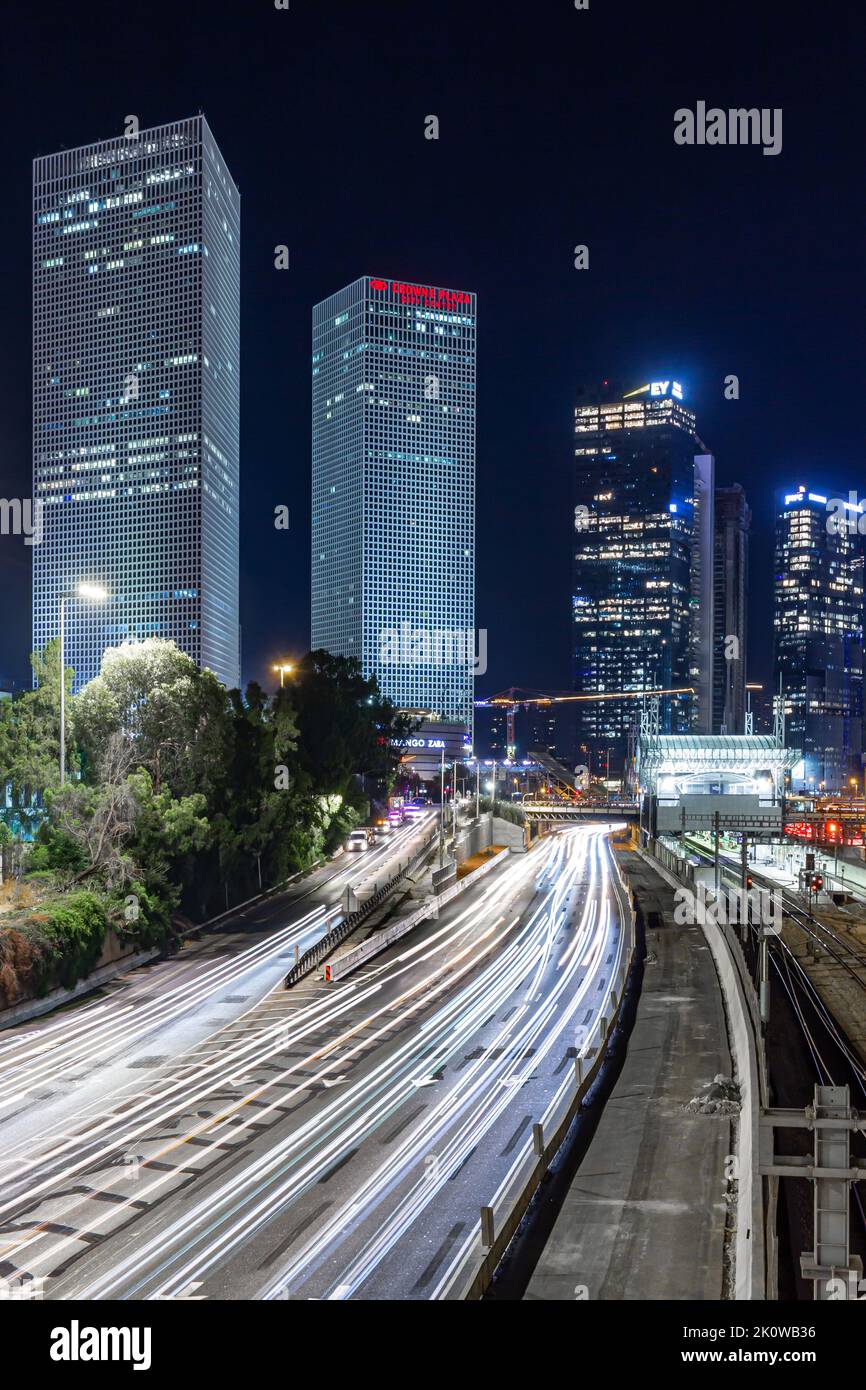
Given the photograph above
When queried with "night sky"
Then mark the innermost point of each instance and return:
(556, 129)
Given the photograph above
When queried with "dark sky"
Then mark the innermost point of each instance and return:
(556, 129)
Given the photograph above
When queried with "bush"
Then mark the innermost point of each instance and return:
(27, 960)
(55, 850)
(76, 925)
(151, 925)
(504, 810)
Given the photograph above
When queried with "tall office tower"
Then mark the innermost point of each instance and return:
(731, 571)
(635, 543)
(393, 543)
(135, 389)
(701, 596)
(818, 622)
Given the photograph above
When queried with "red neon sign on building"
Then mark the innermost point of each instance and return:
(427, 295)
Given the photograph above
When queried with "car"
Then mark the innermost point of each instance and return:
(357, 841)
(413, 812)
(383, 830)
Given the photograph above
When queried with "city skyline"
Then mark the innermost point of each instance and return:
(617, 317)
(432, 726)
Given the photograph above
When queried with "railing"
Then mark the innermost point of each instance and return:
(345, 964)
(737, 965)
(470, 1276)
(553, 810)
(337, 935)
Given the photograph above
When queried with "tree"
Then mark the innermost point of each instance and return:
(152, 695)
(344, 724)
(126, 831)
(30, 734)
(5, 839)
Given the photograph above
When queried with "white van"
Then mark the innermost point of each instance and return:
(357, 841)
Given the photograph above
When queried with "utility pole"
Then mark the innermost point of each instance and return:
(764, 977)
(442, 809)
(62, 693)
(744, 887)
(835, 1272)
(454, 804)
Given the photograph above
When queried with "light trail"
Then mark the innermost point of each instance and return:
(94, 1032)
(479, 962)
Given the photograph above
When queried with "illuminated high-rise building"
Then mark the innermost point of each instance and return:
(136, 394)
(642, 599)
(731, 583)
(393, 527)
(818, 627)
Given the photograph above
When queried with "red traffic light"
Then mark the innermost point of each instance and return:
(748, 880)
(817, 883)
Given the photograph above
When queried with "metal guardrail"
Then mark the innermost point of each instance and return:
(581, 810)
(337, 935)
(672, 821)
(501, 1218)
(736, 962)
(332, 939)
(349, 962)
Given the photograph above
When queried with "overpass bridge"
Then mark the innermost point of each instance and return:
(538, 811)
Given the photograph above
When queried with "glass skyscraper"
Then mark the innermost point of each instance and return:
(818, 621)
(136, 395)
(393, 526)
(731, 569)
(642, 599)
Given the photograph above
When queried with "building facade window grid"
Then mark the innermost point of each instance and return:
(818, 630)
(136, 394)
(393, 526)
(633, 544)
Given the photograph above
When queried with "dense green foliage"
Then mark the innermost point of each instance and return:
(505, 810)
(183, 796)
(30, 736)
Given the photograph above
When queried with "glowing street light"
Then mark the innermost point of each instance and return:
(285, 669)
(92, 593)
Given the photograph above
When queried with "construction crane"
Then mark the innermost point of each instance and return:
(521, 697)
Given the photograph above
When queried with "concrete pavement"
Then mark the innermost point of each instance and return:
(645, 1215)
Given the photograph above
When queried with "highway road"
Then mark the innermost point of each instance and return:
(62, 1065)
(331, 1141)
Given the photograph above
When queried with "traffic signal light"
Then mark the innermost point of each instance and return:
(817, 883)
(748, 880)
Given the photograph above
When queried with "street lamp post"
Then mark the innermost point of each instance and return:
(63, 598)
(442, 808)
(96, 594)
(284, 670)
